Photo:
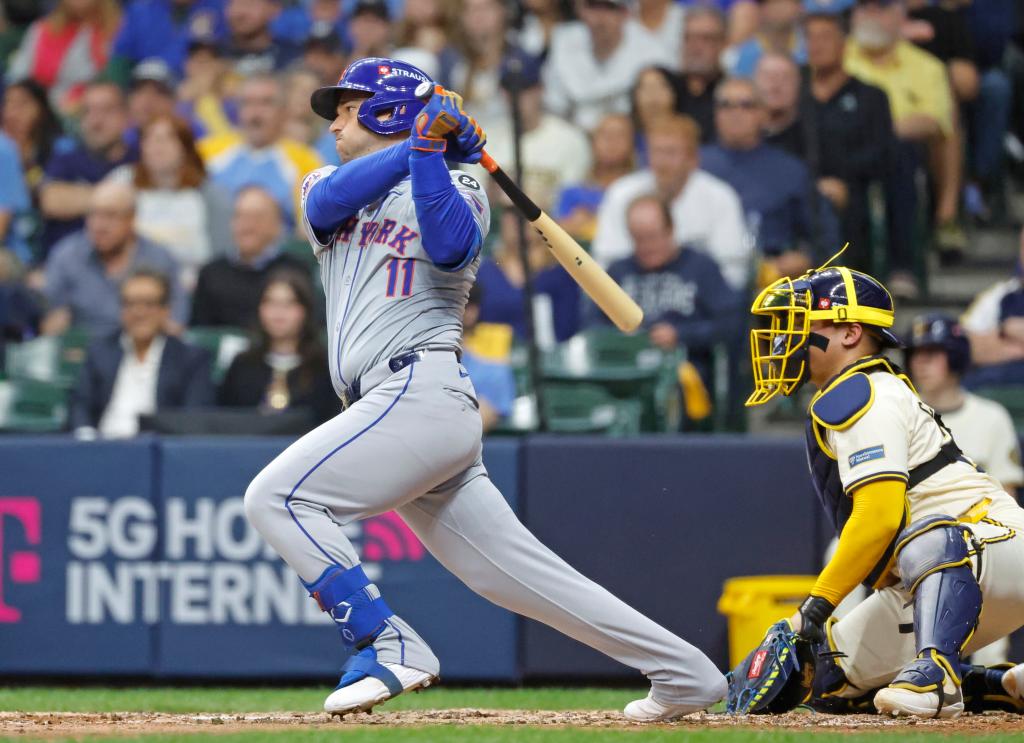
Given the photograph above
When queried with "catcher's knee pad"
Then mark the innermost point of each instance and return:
(934, 562)
(342, 594)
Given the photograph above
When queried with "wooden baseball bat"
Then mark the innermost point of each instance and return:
(585, 271)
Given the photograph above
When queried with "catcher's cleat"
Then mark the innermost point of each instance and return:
(1013, 682)
(924, 688)
(649, 709)
(365, 683)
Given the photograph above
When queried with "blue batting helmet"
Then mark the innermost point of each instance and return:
(391, 84)
(941, 331)
(778, 351)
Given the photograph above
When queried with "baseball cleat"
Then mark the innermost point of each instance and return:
(1013, 682)
(365, 683)
(649, 709)
(923, 689)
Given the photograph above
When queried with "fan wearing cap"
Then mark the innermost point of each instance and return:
(915, 517)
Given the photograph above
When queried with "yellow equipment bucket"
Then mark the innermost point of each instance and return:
(754, 603)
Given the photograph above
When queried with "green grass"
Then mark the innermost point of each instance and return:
(294, 699)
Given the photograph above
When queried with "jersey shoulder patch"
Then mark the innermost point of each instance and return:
(845, 402)
(468, 181)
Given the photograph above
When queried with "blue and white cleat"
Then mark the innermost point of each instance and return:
(365, 683)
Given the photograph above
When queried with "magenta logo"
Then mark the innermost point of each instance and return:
(386, 537)
(22, 566)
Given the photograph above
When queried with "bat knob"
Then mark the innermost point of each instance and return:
(424, 90)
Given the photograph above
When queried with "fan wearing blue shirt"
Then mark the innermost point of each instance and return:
(162, 28)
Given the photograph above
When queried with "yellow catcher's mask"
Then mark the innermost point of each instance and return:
(779, 348)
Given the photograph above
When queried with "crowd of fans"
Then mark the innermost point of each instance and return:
(151, 152)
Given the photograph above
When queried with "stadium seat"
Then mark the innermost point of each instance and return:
(52, 359)
(576, 408)
(31, 406)
(222, 343)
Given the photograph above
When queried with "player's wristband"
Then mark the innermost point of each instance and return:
(427, 144)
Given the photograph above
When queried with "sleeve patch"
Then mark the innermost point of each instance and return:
(867, 455)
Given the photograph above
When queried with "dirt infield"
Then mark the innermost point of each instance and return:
(43, 725)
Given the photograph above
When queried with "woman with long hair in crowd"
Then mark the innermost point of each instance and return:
(67, 48)
(655, 94)
(287, 367)
(480, 41)
(178, 206)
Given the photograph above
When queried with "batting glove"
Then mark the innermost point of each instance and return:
(467, 145)
(441, 116)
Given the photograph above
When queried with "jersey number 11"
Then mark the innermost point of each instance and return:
(405, 266)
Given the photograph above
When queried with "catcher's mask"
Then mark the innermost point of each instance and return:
(779, 349)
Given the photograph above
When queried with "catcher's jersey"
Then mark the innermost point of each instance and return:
(384, 293)
(889, 431)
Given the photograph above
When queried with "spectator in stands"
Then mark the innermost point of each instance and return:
(992, 24)
(686, 301)
(29, 120)
(66, 49)
(778, 31)
(553, 152)
(492, 377)
(228, 289)
(655, 95)
(85, 270)
(995, 325)
(205, 94)
(323, 53)
(287, 367)
(938, 355)
(663, 21)
(259, 154)
(481, 47)
(613, 156)
(177, 206)
(787, 223)
(704, 39)
(73, 171)
(138, 369)
(14, 201)
(744, 16)
(848, 129)
(541, 20)
(151, 95)
(778, 84)
(250, 44)
(424, 25)
(556, 310)
(19, 308)
(706, 212)
(922, 112)
(163, 29)
(593, 65)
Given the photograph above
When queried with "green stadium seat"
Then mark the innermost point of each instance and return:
(52, 359)
(31, 406)
(223, 345)
(576, 408)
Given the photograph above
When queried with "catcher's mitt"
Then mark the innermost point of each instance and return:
(776, 676)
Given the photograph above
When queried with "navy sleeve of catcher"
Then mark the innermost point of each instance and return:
(355, 184)
(447, 228)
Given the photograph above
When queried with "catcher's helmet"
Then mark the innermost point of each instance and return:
(391, 84)
(941, 331)
(838, 294)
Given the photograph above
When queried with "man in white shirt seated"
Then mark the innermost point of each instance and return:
(140, 370)
(705, 210)
(592, 65)
(938, 354)
(554, 152)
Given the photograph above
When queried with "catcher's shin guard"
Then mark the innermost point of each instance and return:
(934, 563)
(342, 594)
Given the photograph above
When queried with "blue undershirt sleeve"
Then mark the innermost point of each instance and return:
(355, 184)
(448, 229)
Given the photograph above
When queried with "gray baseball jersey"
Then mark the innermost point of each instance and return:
(384, 293)
(412, 444)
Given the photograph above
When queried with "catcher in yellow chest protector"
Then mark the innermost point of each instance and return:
(938, 539)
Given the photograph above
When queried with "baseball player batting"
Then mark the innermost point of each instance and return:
(939, 539)
(398, 237)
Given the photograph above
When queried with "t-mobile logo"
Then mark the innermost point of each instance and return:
(22, 566)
